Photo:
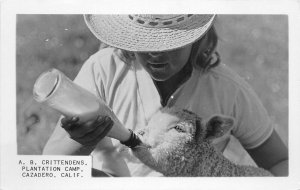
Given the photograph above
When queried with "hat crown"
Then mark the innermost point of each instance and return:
(159, 20)
(149, 33)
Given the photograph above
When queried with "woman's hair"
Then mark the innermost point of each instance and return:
(203, 54)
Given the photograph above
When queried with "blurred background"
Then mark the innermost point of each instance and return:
(255, 46)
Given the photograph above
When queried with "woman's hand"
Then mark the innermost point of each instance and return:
(88, 133)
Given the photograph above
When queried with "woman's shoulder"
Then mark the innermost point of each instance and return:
(225, 75)
(103, 54)
(106, 58)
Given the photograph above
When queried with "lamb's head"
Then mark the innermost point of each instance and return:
(178, 137)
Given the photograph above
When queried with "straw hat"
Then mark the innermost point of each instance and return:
(147, 33)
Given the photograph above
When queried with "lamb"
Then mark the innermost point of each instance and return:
(179, 144)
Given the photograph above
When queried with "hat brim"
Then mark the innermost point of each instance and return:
(118, 31)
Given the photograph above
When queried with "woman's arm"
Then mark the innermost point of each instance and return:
(104, 152)
(272, 155)
(60, 143)
(77, 137)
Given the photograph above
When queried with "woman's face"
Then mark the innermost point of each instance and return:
(163, 65)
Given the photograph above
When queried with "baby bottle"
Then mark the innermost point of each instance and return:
(56, 90)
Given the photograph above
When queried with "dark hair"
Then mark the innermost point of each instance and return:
(203, 54)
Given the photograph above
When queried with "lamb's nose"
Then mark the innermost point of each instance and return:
(141, 132)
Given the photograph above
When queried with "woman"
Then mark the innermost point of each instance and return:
(160, 61)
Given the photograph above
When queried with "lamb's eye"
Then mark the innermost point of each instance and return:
(179, 129)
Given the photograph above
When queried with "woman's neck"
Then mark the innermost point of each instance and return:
(168, 87)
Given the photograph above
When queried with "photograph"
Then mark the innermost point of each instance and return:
(174, 81)
(129, 94)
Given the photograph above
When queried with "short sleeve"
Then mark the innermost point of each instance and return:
(88, 78)
(253, 124)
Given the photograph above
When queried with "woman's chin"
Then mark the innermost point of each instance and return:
(159, 77)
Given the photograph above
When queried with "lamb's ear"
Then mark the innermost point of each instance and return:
(217, 126)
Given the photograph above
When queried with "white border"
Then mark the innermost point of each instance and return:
(10, 8)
